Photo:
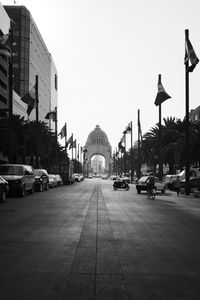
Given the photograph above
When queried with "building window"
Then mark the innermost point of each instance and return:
(56, 82)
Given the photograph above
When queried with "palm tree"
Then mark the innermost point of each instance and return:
(150, 147)
(171, 135)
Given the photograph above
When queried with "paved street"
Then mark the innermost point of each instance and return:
(87, 241)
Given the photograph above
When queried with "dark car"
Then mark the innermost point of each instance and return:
(142, 185)
(41, 180)
(194, 183)
(4, 188)
(19, 177)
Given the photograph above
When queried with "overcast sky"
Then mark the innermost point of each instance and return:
(108, 55)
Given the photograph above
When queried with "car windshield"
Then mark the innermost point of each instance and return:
(11, 170)
(143, 179)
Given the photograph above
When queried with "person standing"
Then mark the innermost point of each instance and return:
(177, 184)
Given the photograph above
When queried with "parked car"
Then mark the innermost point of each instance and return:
(4, 189)
(59, 179)
(82, 177)
(20, 178)
(71, 179)
(77, 177)
(194, 183)
(142, 185)
(113, 177)
(41, 180)
(53, 182)
(104, 176)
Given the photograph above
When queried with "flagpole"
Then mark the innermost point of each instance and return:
(117, 162)
(121, 162)
(66, 137)
(78, 158)
(160, 145)
(56, 133)
(72, 145)
(139, 159)
(187, 137)
(131, 151)
(37, 120)
(37, 100)
(125, 154)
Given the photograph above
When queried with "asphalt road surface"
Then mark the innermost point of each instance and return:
(87, 241)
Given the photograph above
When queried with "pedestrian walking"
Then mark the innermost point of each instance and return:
(177, 184)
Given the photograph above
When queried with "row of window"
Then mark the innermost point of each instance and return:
(98, 141)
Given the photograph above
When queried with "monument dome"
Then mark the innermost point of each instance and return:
(97, 137)
(97, 144)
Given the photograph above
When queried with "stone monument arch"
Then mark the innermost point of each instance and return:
(97, 144)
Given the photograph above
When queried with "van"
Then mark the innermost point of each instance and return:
(19, 177)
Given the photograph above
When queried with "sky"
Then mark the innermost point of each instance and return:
(108, 55)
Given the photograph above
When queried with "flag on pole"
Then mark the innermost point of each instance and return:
(51, 115)
(30, 99)
(63, 132)
(73, 145)
(122, 141)
(69, 141)
(161, 95)
(128, 129)
(190, 56)
(121, 147)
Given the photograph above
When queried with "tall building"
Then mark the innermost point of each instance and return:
(194, 114)
(30, 58)
(4, 62)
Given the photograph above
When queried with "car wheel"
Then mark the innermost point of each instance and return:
(32, 190)
(3, 197)
(163, 191)
(41, 187)
(138, 191)
(23, 192)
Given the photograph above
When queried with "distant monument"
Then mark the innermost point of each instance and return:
(97, 144)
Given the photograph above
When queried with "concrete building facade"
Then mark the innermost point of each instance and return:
(4, 62)
(31, 57)
(194, 114)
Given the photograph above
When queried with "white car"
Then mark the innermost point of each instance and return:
(53, 182)
(77, 177)
(142, 185)
(113, 177)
